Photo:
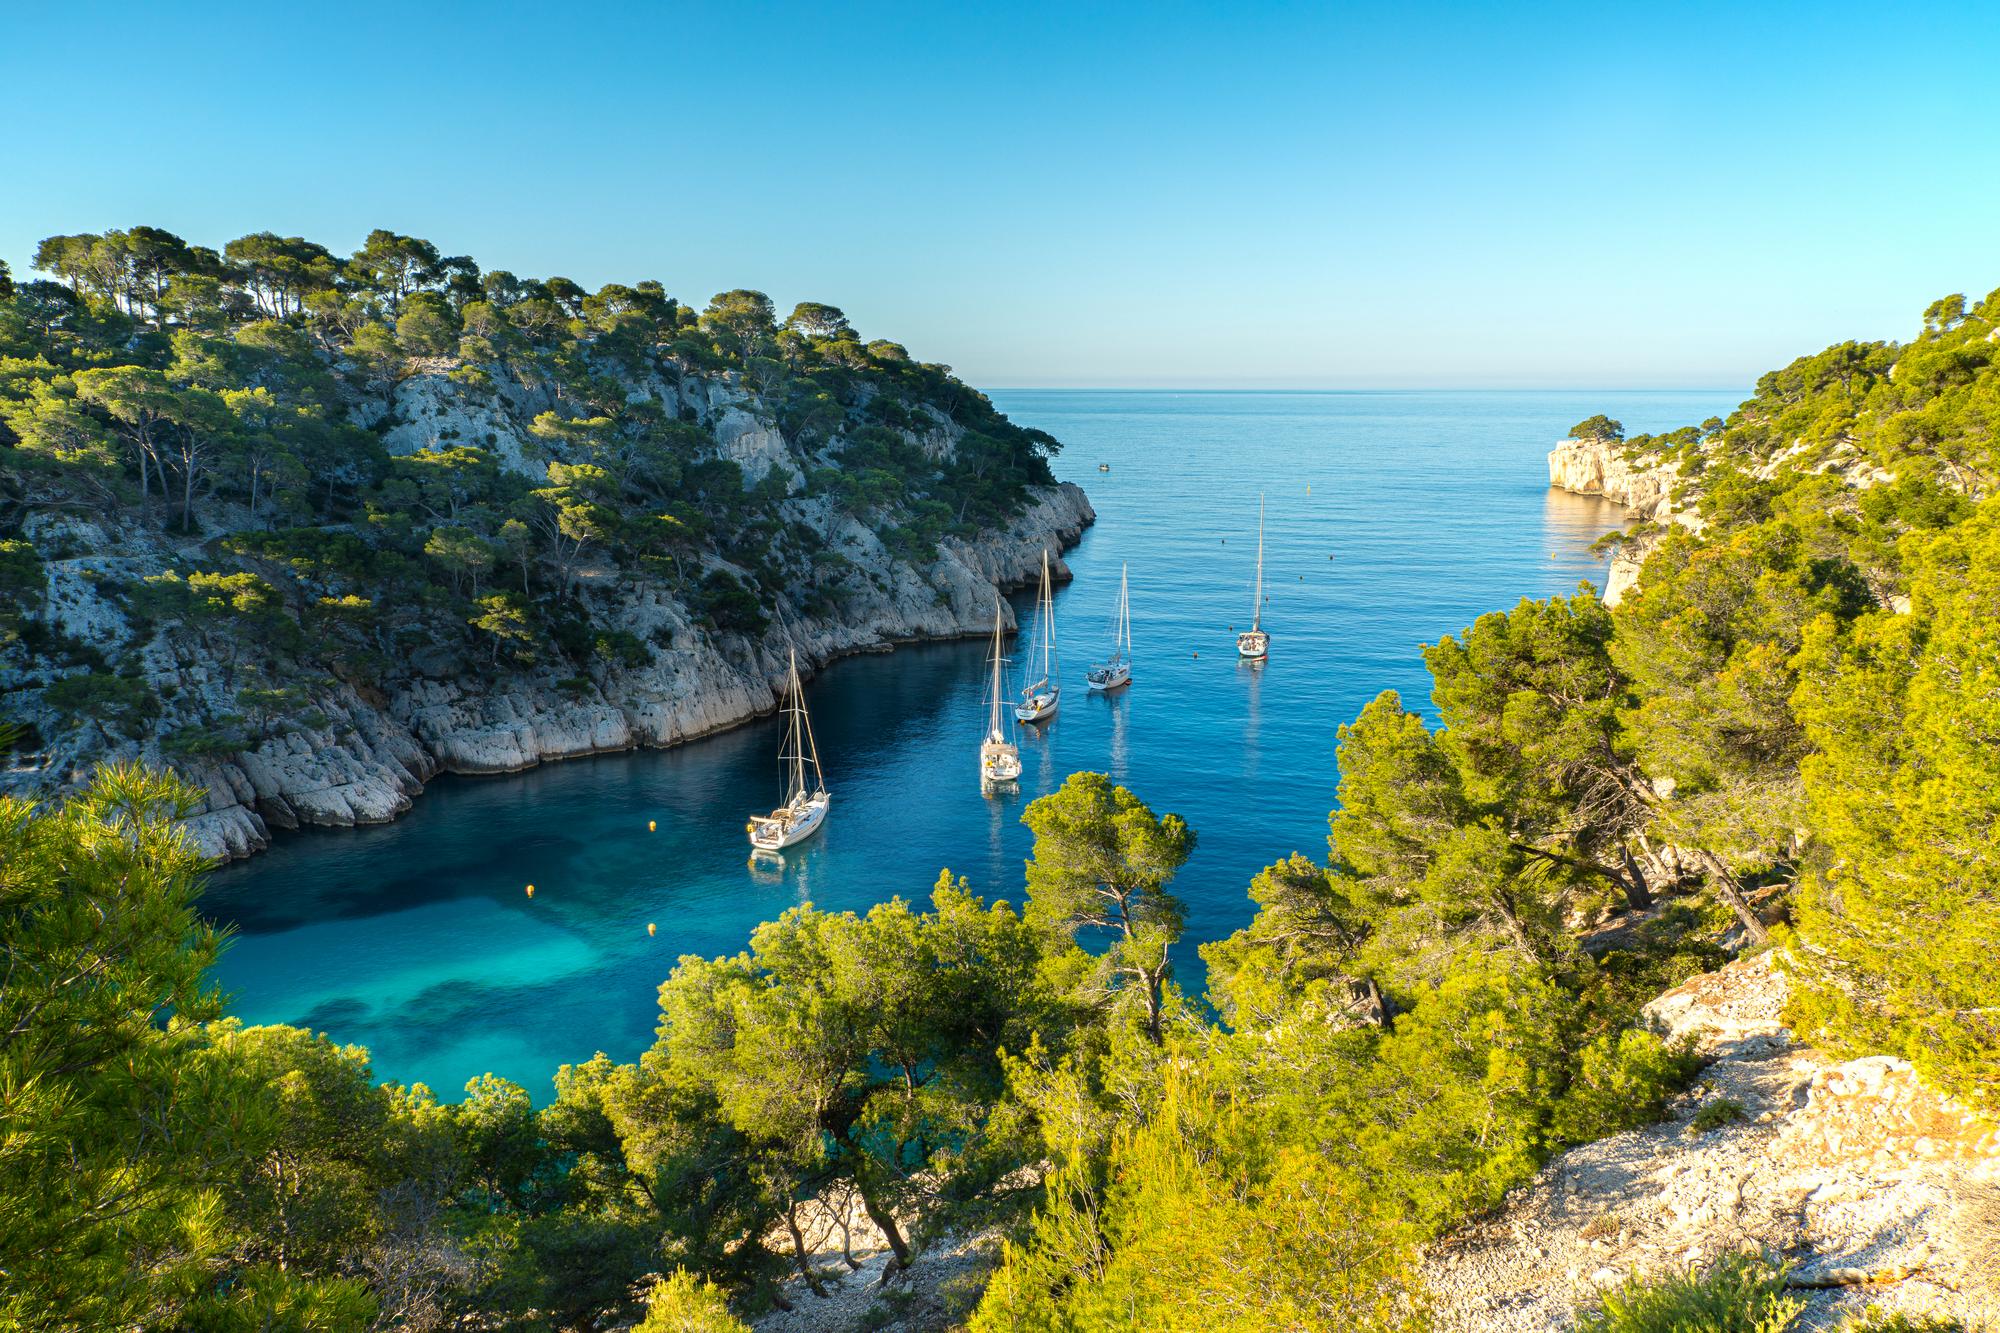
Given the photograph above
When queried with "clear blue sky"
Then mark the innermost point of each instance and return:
(1285, 195)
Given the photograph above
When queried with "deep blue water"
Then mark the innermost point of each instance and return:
(417, 940)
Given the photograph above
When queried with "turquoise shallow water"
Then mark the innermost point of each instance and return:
(417, 940)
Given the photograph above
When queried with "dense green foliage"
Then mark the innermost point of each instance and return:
(1787, 731)
(221, 420)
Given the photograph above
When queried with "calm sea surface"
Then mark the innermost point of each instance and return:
(1392, 518)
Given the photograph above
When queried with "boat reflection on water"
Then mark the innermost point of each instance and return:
(1120, 746)
(798, 868)
(1000, 815)
(1254, 714)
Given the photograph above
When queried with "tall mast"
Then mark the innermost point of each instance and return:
(1048, 617)
(1125, 609)
(801, 738)
(993, 726)
(805, 719)
(1257, 614)
(798, 737)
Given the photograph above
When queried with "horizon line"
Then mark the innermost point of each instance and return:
(1388, 388)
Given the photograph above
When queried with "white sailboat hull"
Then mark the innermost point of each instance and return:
(1110, 676)
(1253, 645)
(789, 825)
(999, 762)
(1039, 707)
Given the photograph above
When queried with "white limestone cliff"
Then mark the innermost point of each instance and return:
(360, 753)
(373, 757)
(1643, 484)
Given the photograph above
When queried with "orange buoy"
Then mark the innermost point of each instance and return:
(531, 890)
(652, 929)
(652, 825)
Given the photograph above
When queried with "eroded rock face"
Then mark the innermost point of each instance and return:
(1731, 1012)
(1876, 1187)
(757, 447)
(1651, 488)
(1599, 467)
(1643, 484)
(351, 754)
(373, 757)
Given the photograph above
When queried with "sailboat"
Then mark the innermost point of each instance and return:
(1254, 644)
(803, 810)
(999, 757)
(1118, 671)
(1040, 696)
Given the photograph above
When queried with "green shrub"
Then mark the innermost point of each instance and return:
(1873, 1320)
(622, 647)
(22, 580)
(201, 742)
(730, 605)
(1621, 1082)
(121, 701)
(685, 1303)
(1739, 1293)
(1714, 1115)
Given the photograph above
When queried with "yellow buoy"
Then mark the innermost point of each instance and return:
(652, 929)
(652, 825)
(531, 890)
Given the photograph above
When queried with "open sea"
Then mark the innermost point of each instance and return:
(1391, 518)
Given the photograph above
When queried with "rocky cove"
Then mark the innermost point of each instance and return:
(374, 757)
(351, 751)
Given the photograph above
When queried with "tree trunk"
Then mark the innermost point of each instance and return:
(799, 1255)
(886, 1221)
(1511, 919)
(1150, 979)
(1637, 896)
(1731, 891)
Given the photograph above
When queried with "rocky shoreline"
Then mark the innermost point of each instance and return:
(1643, 485)
(373, 756)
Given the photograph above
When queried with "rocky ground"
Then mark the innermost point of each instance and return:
(1876, 1189)
(860, 1290)
(939, 1290)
